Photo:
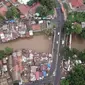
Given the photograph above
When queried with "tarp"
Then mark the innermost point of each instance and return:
(49, 65)
(44, 73)
(12, 21)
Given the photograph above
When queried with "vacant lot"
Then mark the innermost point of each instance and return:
(38, 43)
(78, 43)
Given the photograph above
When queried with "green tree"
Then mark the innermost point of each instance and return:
(82, 34)
(8, 50)
(1, 18)
(30, 3)
(42, 10)
(12, 13)
(15, 12)
(50, 4)
(2, 54)
(68, 53)
(9, 14)
(64, 82)
(77, 76)
(82, 56)
(77, 28)
(68, 28)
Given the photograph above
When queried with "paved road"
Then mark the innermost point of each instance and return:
(60, 22)
(56, 52)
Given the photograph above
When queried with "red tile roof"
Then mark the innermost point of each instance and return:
(36, 27)
(23, 9)
(33, 8)
(3, 10)
(76, 3)
(14, 1)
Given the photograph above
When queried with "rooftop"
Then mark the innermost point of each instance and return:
(76, 3)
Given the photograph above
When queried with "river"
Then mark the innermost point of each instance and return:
(38, 43)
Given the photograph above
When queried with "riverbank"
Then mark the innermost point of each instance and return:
(38, 43)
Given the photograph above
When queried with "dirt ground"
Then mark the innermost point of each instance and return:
(38, 43)
(78, 43)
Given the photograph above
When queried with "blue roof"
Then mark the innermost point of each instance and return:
(44, 73)
(49, 65)
(11, 20)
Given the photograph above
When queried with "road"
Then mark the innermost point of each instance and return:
(57, 52)
(59, 46)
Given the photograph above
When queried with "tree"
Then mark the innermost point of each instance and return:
(12, 13)
(2, 54)
(48, 32)
(68, 27)
(77, 75)
(82, 34)
(8, 50)
(30, 3)
(68, 53)
(50, 4)
(77, 28)
(1, 18)
(64, 82)
(9, 14)
(42, 10)
(15, 12)
(82, 56)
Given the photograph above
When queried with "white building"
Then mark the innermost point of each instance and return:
(23, 1)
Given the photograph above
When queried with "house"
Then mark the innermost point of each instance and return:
(3, 10)
(75, 3)
(24, 9)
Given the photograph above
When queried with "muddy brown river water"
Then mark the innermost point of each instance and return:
(38, 43)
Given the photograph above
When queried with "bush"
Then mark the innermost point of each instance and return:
(2, 54)
(8, 51)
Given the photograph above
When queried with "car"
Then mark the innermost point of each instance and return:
(63, 42)
(58, 33)
(56, 42)
(62, 77)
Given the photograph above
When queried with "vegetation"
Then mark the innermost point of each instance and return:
(77, 76)
(64, 82)
(50, 4)
(48, 32)
(2, 54)
(1, 18)
(69, 53)
(42, 10)
(46, 8)
(76, 17)
(82, 34)
(5, 52)
(72, 28)
(68, 27)
(31, 2)
(65, 6)
(12, 13)
(8, 50)
(77, 28)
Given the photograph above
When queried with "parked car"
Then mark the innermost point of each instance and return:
(63, 42)
(58, 33)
